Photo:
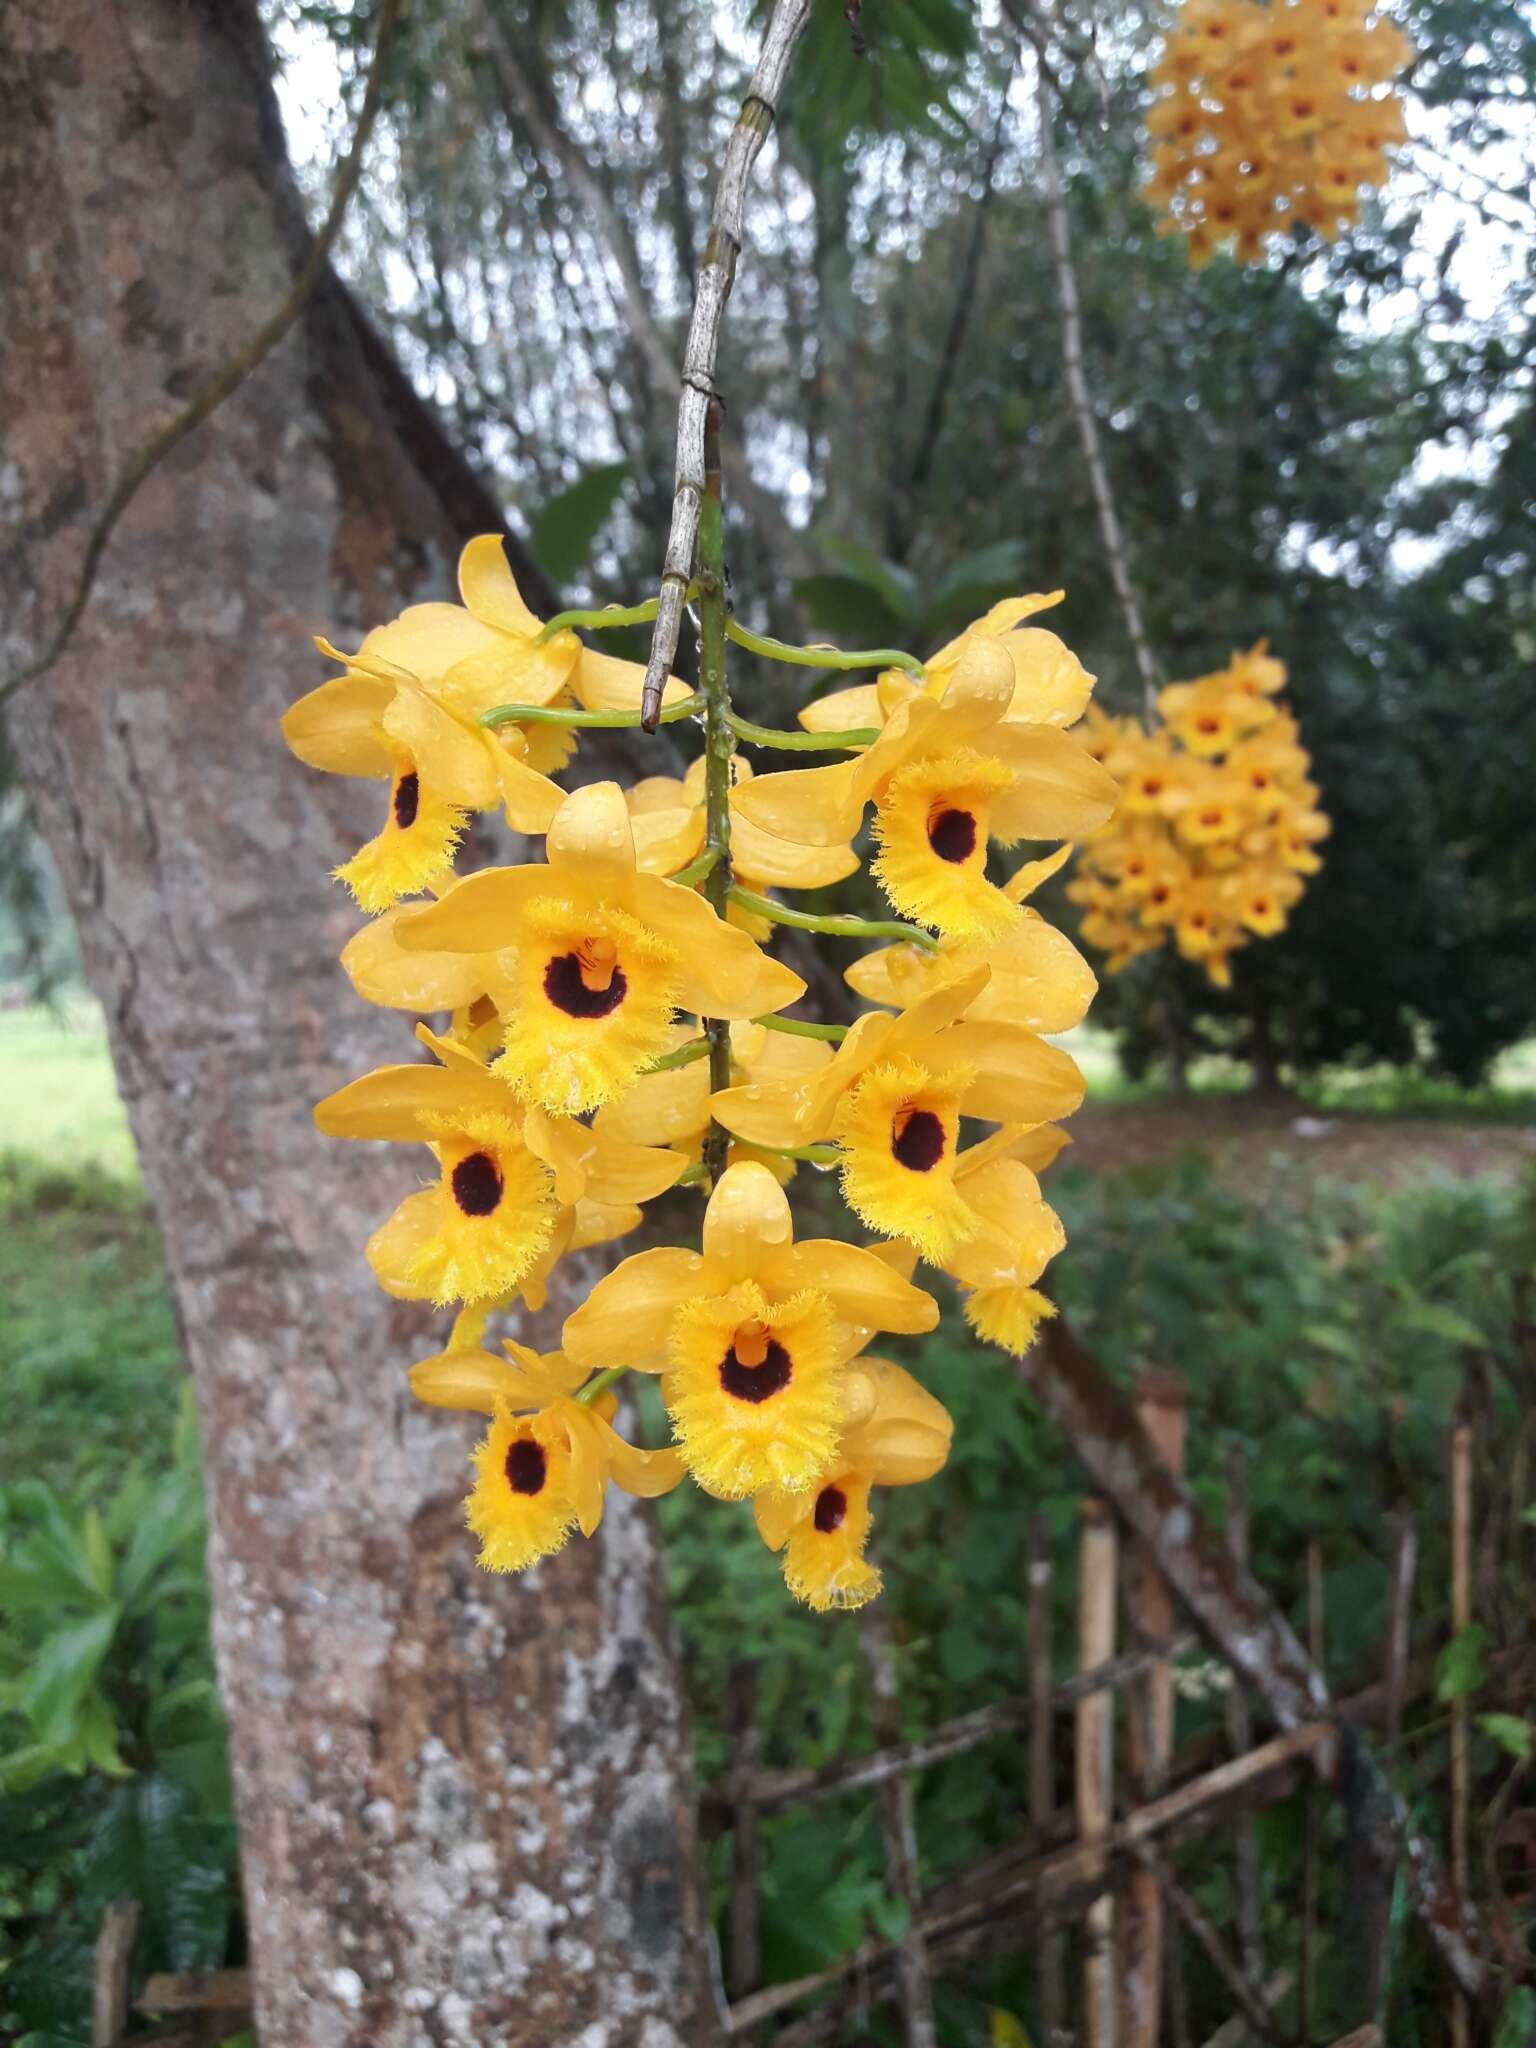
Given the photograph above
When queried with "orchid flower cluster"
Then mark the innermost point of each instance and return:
(616, 1028)
(1218, 824)
(1270, 115)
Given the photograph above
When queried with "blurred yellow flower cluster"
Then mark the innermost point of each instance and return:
(1271, 114)
(1218, 824)
(605, 1009)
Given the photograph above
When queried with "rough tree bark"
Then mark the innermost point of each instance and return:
(464, 1803)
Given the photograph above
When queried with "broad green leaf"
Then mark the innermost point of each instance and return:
(171, 1519)
(850, 608)
(1435, 1319)
(1511, 1732)
(564, 532)
(1460, 1668)
(900, 591)
(63, 1674)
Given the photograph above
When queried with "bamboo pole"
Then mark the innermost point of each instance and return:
(898, 1828)
(112, 1971)
(1240, 1735)
(745, 1957)
(1095, 1760)
(1042, 1788)
(1160, 1408)
(1461, 1618)
(1313, 1820)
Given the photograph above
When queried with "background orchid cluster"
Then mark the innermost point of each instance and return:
(579, 1075)
(1270, 116)
(1218, 823)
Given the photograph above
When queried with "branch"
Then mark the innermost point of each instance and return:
(716, 276)
(1082, 404)
(218, 387)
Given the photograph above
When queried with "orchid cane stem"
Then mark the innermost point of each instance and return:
(682, 1056)
(719, 750)
(822, 657)
(697, 868)
(836, 927)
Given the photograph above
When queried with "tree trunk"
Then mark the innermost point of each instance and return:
(464, 1802)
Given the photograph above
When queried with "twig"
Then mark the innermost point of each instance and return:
(716, 276)
(898, 1831)
(1240, 1734)
(1110, 534)
(719, 753)
(1461, 1619)
(745, 1963)
(212, 394)
(1312, 1820)
(1095, 1757)
(1248, 1995)
(1042, 1789)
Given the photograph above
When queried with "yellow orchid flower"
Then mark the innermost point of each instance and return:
(1039, 980)
(672, 1107)
(505, 1170)
(752, 1336)
(601, 957)
(947, 774)
(891, 1098)
(903, 1439)
(543, 1467)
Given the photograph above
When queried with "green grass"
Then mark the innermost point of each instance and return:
(58, 1091)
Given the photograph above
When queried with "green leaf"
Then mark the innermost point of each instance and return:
(171, 1520)
(899, 590)
(1460, 1668)
(1511, 1733)
(1436, 1320)
(63, 1674)
(564, 532)
(1517, 2021)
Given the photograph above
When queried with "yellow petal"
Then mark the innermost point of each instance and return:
(529, 799)
(778, 1514)
(1051, 686)
(588, 1474)
(907, 1435)
(768, 1113)
(395, 1246)
(454, 759)
(765, 862)
(592, 842)
(721, 972)
(1019, 1077)
(845, 710)
(1060, 792)
(666, 840)
(810, 806)
(747, 1228)
(487, 586)
(392, 1102)
(603, 682)
(481, 914)
(1002, 618)
(382, 971)
(475, 1381)
(662, 1109)
(1023, 883)
(863, 1289)
(646, 1474)
(627, 1317)
(337, 727)
(427, 641)
(982, 685)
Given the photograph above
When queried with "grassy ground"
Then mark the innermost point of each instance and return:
(58, 1098)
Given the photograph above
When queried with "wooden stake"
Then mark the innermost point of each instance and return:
(1461, 1618)
(1313, 1821)
(1160, 1408)
(897, 1825)
(112, 1970)
(1240, 1735)
(1096, 1600)
(745, 1959)
(1042, 1787)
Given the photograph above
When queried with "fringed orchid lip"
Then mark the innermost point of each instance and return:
(588, 982)
(526, 1466)
(757, 1366)
(918, 1140)
(406, 799)
(831, 1509)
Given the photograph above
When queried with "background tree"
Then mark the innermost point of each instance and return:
(464, 1803)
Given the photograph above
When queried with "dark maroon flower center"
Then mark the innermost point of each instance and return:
(952, 835)
(756, 1382)
(527, 1466)
(407, 800)
(918, 1144)
(477, 1184)
(831, 1509)
(567, 991)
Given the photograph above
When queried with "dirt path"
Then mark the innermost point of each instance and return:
(1242, 1135)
